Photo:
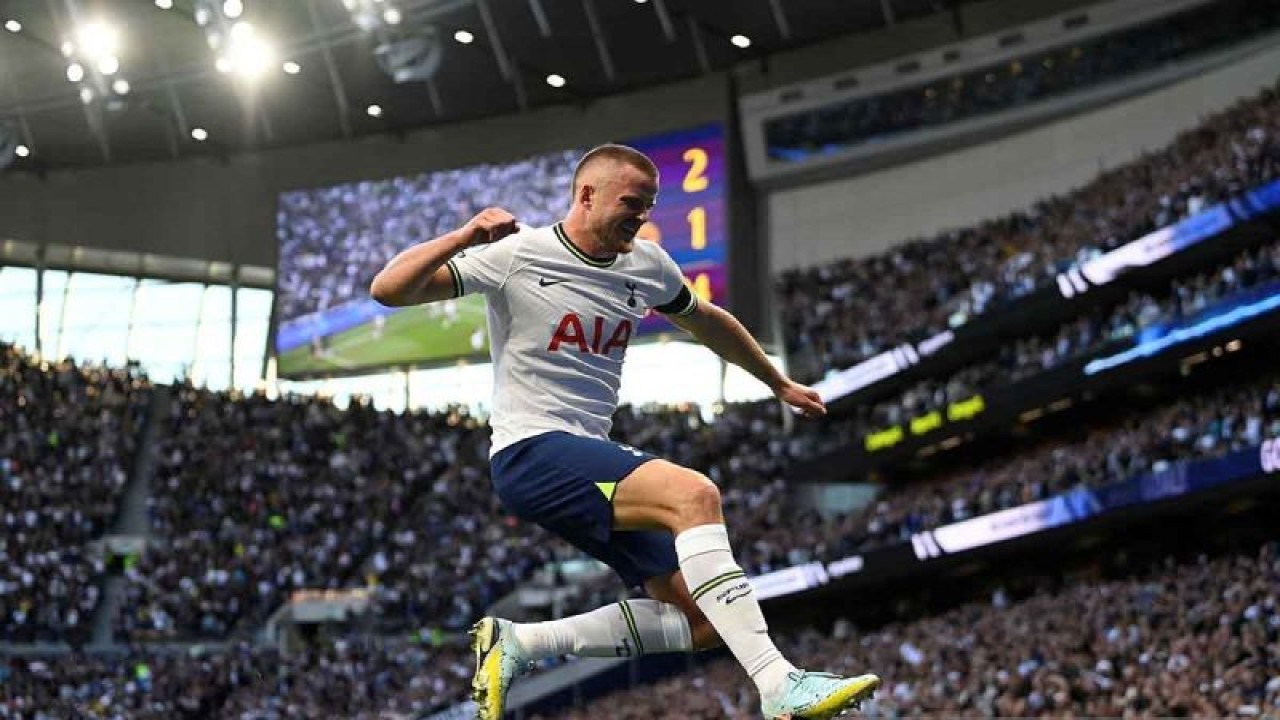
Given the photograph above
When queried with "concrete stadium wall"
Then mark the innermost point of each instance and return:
(867, 214)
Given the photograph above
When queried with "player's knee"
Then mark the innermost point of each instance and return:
(701, 500)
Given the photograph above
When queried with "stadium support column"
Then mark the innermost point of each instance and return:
(235, 311)
(407, 394)
(40, 263)
(748, 283)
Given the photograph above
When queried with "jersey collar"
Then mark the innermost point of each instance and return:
(573, 250)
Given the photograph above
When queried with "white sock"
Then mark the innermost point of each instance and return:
(726, 597)
(625, 629)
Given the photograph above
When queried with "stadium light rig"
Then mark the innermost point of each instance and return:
(93, 64)
(237, 45)
(405, 54)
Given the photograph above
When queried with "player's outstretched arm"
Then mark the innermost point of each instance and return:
(418, 275)
(716, 328)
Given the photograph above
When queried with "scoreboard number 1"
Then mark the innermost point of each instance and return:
(697, 228)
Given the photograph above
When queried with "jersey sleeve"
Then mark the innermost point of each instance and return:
(676, 298)
(483, 269)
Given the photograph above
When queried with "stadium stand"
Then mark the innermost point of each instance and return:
(214, 576)
(1196, 638)
(337, 678)
(256, 498)
(1027, 79)
(1179, 299)
(1189, 636)
(70, 433)
(847, 311)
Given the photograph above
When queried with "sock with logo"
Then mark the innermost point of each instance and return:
(625, 629)
(726, 597)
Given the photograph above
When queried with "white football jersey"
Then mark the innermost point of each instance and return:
(559, 325)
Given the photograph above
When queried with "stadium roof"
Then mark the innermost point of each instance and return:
(599, 47)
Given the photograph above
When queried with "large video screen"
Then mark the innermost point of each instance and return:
(333, 241)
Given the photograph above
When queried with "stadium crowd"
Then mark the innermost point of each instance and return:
(70, 432)
(255, 498)
(334, 240)
(1012, 83)
(339, 678)
(1198, 638)
(846, 311)
(747, 453)
(1200, 426)
(1180, 299)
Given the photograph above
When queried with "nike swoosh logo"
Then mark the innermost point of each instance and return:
(730, 600)
(545, 282)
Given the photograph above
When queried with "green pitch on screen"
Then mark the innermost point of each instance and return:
(440, 331)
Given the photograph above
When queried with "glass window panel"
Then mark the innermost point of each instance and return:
(469, 384)
(55, 285)
(647, 378)
(385, 389)
(18, 306)
(163, 337)
(95, 321)
(253, 316)
(742, 386)
(212, 367)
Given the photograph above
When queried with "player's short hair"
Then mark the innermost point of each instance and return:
(613, 153)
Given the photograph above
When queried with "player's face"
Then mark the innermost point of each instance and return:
(628, 198)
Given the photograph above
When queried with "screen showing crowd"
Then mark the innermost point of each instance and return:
(333, 240)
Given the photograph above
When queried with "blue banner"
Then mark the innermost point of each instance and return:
(1189, 476)
(1160, 244)
(1228, 313)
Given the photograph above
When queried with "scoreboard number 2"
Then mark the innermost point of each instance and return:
(695, 180)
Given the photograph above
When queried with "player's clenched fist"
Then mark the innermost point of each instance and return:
(491, 225)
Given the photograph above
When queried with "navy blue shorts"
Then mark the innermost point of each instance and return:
(565, 483)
